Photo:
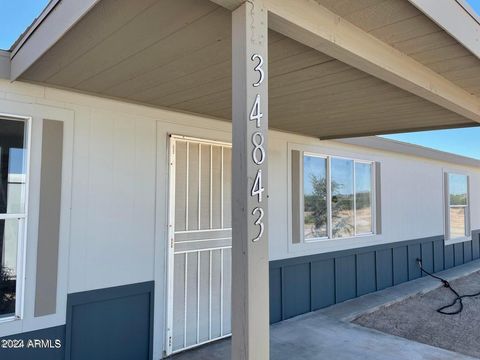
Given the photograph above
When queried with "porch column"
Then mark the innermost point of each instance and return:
(250, 277)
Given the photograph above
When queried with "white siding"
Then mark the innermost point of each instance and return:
(119, 202)
(114, 186)
(113, 200)
(411, 193)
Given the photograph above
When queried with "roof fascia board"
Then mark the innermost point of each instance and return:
(36, 23)
(317, 27)
(455, 18)
(468, 8)
(54, 22)
(379, 143)
(4, 65)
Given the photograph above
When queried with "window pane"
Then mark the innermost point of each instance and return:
(342, 197)
(457, 222)
(12, 166)
(8, 268)
(458, 189)
(315, 197)
(363, 197)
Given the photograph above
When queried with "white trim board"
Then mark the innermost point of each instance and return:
(38, 113)
(455, 19)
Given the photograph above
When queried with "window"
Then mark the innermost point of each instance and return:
(337, 197)
(363, 198)
(13, 189)
(458, 209)
(315, 197)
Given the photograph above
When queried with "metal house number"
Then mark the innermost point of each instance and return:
(258, 152)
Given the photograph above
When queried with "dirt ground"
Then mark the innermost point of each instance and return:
(416, 319)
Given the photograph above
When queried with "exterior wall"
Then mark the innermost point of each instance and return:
(113, 203)
(116, 233)
(411, 195)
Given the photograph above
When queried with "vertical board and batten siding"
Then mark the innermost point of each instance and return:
(308, 283)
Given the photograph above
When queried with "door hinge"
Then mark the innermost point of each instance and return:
(169, 341)
(171, 243)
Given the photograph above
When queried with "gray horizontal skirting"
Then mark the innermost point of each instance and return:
(308, 283)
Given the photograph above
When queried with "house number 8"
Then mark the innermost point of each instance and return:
(258, 152)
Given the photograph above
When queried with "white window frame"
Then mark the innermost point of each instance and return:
(329, 197)
(446, 186)
(22, 222)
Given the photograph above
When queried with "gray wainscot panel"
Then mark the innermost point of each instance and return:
(384, 264)
(475, 244)
(308, 283)
(112, 323)
(44, 344)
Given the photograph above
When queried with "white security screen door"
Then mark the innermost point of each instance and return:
(200, 243)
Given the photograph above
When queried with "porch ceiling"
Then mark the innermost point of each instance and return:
(403, 26)
(177, 54)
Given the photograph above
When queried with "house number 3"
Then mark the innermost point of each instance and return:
(258, 152)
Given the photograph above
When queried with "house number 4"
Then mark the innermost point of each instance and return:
(258, 152)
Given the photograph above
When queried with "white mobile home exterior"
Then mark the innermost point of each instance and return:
(125, 233)
(114, 219)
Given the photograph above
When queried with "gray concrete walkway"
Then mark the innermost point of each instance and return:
(328, 333)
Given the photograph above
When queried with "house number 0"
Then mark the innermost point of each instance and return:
(258, 152)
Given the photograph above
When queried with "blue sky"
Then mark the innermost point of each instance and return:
(475, 4)
(464, 142)
(17, 15)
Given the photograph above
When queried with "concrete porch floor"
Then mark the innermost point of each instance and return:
(329, 334)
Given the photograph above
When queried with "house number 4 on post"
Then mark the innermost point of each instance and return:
(258, 152)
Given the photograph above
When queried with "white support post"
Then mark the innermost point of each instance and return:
(250, 289)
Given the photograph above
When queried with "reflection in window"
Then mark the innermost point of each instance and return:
(315, 197)
(9, 230)
(337, 197)
(458, 207)
(12, 201)
(342, 197)
(363, 198)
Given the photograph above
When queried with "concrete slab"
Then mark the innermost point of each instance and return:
(328, 333)
(320, 337)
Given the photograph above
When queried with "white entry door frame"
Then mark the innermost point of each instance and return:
(199, 243)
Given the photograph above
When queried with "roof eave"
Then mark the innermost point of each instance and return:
(57, 18)
(456, 19)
